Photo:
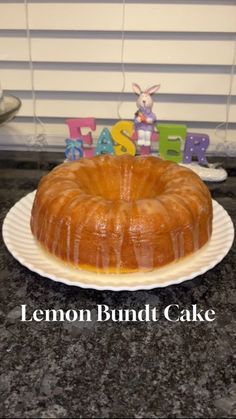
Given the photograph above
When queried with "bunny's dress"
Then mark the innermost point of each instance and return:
(144, 125)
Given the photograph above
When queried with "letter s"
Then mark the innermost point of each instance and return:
(118, 133)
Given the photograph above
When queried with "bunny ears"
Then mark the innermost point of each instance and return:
(137, 89)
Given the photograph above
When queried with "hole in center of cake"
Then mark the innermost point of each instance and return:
(127, 188)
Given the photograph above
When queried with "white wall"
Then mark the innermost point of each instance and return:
(186, 46)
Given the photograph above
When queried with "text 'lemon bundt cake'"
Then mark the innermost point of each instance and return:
(121, 213)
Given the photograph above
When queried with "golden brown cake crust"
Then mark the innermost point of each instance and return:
(121, 213)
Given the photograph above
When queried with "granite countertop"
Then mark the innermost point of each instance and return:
(109, 369)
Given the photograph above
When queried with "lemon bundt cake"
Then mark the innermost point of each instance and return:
(121, 213)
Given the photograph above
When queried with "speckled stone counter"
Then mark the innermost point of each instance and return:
(108, 369)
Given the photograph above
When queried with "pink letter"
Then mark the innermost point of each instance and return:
(75, 126)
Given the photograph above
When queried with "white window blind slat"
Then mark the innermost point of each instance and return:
(203, 83)
(108, 16)
(108, 50)
(107, 109)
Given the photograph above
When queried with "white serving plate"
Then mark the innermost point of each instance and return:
(22, 245)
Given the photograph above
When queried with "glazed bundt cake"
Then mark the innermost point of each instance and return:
(121, 213)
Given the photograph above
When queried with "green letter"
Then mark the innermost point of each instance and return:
(170, 141)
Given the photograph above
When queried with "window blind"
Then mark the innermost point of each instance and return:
(81, 58)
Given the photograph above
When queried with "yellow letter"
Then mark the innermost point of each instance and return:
(121, 133)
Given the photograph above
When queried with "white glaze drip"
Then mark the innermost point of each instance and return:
(56, 240)
(195, 232)
(80, 227)
(181, 244)
(68, 237)
(175, 244)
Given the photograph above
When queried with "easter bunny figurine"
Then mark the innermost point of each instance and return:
(144, 117)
